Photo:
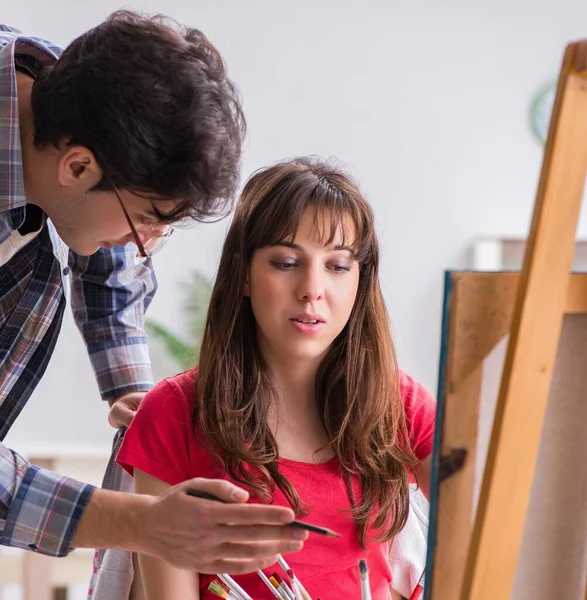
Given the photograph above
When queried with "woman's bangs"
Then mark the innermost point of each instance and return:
(336, 218)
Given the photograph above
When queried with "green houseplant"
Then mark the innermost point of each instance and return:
(541, 109)
(185, 351)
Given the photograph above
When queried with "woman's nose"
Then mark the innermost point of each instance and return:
(311, 286)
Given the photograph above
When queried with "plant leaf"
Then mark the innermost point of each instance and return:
(183, 354)
(196, 294)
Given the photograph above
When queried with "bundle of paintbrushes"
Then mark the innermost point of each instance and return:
(290, 589)
(228, 588)
(282, 589)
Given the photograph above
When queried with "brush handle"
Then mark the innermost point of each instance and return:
(234, 587)
(284, 589)
(282, 594)
(310, 527)
(286, 568)
(296, 589)
(365, 591)
(305, 595)
(282, 563)
(266, 581)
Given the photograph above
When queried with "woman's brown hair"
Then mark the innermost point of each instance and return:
(357, 384)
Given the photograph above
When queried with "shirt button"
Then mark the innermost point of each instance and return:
(66, 271)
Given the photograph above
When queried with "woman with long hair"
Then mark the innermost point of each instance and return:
(298, 396)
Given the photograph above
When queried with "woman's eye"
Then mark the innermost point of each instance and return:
(283, 265)
(340, 268)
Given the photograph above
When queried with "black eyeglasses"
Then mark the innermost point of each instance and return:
(155, 243)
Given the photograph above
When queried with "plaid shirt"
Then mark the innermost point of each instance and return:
(110, 291)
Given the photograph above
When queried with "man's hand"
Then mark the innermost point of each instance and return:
(211, 537)
(192, 533)
(123, 409)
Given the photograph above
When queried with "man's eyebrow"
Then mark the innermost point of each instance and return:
(151, 211)
(155, 213)
(301, 248)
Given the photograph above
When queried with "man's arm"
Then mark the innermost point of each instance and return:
(44, 512)
(111, 291)
(191, 533)
(39, 510)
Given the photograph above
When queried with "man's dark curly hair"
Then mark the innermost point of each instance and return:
(152, 100)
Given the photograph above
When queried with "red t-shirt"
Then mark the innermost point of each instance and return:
(160, 442)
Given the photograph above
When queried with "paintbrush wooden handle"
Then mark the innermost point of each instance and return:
(298, 524)
(305, 594)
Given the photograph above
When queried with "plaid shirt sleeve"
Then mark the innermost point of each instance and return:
(110, 293)
(39, 510)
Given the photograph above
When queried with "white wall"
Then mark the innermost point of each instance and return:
(427, 102)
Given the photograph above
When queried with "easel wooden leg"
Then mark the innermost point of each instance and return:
(536, 325)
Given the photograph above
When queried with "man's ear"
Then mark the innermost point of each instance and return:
(78, 168)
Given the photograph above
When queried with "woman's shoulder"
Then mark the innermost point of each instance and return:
(413, 393)
(182, 384)
(160, 439)
(175, 394)
(420, 409)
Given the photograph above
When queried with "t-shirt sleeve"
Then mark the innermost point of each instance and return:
(158, 439)
(420, 407)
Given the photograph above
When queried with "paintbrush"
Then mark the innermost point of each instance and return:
(299, 524)
(281, 588)
(216, 588)
(268, 583)
(364, 571)
(295, 584)
(286, 569)
(233, 586)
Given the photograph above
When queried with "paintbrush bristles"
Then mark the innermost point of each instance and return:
(363, 569)
(364, 572)
(216, 588)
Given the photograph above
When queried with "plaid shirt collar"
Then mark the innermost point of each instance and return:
(13, 47)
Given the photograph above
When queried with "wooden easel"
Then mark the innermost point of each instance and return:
(544, 291)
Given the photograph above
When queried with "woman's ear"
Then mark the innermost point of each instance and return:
(246, 287)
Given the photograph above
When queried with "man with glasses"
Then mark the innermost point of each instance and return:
(135, 126)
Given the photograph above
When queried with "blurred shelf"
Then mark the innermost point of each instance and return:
(494, 253)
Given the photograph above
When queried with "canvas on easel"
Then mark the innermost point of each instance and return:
(513, 393)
